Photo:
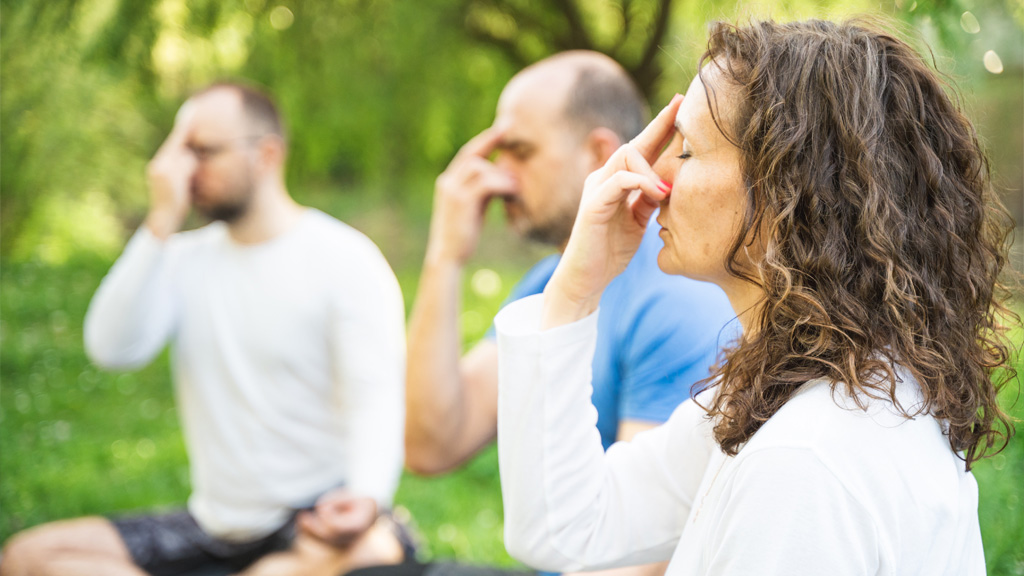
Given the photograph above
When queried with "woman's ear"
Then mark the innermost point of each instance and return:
(601, 144)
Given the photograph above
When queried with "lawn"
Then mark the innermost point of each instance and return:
(75, 440)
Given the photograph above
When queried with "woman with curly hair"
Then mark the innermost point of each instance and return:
(821, 176)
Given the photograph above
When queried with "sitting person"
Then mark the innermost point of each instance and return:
(823, 178)
(288, 354)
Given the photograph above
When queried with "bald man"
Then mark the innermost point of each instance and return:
(556, 122)
(289, 383)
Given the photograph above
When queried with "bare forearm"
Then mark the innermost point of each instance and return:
(435, 403)
(450, 400)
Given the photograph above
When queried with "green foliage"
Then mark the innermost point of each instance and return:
(378, 93)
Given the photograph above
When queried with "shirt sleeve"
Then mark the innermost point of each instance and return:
(789, 514)
(132, 314)
(533, 282)
(569, 506)
(368, 343)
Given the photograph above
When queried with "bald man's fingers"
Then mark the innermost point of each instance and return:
(652, 140)
(482, 144)
(479, 173)
(496, 184)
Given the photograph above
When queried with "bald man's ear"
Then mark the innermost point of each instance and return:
(602, 143)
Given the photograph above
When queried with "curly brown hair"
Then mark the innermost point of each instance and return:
(884, 241)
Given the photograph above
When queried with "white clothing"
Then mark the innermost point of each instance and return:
(819, 489)
(288, 361)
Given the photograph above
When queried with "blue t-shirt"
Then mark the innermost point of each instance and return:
(657, 336)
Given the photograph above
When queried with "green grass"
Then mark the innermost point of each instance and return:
(76, 441)
(1001, 491)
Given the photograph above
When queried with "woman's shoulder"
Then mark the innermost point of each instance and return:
(901, 471)
(864, 440)
(826, 414)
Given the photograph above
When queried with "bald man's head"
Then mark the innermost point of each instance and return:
(560, 120)
(593, 90)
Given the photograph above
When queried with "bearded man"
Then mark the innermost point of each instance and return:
(288, 347)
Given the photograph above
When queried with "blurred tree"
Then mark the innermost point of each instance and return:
(630, 32)
(378, 93)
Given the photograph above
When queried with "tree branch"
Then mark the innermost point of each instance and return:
(627, 26)
(578, 37)
(647, 70)
(507, 47)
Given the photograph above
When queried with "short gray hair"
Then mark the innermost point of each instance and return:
(601, 97)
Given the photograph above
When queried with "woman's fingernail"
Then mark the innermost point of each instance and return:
(665, 187)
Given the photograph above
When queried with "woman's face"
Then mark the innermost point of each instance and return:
(702, 216)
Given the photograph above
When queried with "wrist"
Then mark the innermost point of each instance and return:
(163, 223)
(442, 258)
(562, 307)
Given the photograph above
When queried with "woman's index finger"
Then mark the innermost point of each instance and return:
(652, 140)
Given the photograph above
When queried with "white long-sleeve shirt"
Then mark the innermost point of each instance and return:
(288, 361)
(822, 488)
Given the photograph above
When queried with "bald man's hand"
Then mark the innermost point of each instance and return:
(461, 194)
(170, 178)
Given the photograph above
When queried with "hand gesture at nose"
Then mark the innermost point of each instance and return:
(618, 201)
(170, 176)
(461, 194)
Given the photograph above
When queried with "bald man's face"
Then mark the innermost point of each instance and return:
(224, 144)
(545, 156)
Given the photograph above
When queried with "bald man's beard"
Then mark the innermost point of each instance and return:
(553, 229)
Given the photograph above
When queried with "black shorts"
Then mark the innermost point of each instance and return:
(173, 544)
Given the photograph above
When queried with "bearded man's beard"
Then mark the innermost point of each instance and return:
(234, 206)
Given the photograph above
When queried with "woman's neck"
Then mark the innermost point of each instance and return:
(746, 299)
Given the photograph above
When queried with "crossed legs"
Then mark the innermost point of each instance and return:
(79, 547)
(92, 545)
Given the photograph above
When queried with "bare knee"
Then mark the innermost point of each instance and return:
(29, 551)
(25, 552)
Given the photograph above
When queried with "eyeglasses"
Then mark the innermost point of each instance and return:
(207, 152)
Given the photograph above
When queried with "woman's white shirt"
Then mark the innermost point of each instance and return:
(823, 487)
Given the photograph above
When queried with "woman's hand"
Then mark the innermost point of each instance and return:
(618, 201)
